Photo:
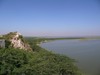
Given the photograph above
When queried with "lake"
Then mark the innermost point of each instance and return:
(85, 52)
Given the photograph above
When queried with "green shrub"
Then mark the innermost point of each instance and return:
(20, 62)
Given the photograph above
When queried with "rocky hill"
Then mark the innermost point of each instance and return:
(16, 40)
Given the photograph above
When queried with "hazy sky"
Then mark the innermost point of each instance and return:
(50, 17)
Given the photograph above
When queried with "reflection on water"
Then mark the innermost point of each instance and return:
(86, 53)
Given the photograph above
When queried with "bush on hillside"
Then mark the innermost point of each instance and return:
(20, 62)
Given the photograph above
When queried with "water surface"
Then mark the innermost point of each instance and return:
(85, 52)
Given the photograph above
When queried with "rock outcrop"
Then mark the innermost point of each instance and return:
(2, 43)
(17, 41)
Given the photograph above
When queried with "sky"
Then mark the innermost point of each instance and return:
(63, 18)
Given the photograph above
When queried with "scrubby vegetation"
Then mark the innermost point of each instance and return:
(9, 35)
(39, 62)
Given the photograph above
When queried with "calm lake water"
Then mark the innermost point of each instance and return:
(86, 53)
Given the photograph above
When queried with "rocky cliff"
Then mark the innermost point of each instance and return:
(17, 41)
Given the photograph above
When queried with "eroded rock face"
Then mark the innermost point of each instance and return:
(2, 43)
(17, 41)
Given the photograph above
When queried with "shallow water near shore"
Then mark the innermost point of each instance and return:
(85, 52)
